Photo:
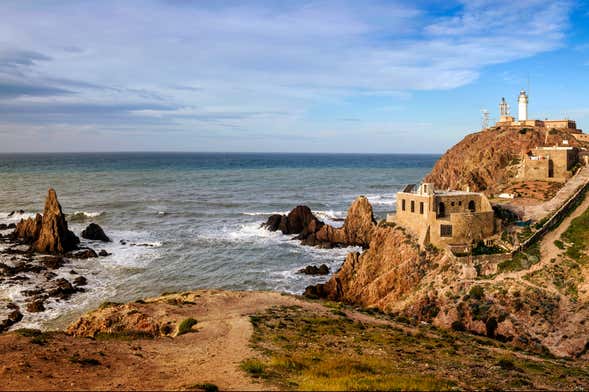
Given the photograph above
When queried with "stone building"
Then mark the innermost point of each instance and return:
(446, 219)
(549, 164)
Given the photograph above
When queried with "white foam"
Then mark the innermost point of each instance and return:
(6, 217)
(389, 199)
(265, 213)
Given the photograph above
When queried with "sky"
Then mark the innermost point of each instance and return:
(282, 76)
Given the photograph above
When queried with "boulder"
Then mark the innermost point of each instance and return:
(95, 233)
(52, 262)
(9, 316)
(55, 236)
(36, 306)
(103, 253)
(80, 281)
(299, 220)
(62, 289)
(85, 253)
(314, 270)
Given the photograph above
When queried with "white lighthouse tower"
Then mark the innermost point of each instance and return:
(522, 106)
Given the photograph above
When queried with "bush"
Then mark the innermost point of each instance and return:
(476, 292)
(186, 326)
(506, 364)
(559, 244)
(253, 367)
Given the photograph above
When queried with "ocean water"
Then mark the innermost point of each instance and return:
(192, 220)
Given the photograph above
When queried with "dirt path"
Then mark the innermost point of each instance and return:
(212, 354)
(537, 212)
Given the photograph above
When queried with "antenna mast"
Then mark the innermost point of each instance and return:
(485, 118)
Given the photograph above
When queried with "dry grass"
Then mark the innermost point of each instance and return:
(300, 349)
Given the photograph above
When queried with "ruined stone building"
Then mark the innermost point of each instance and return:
(549, 164)
(445, 219)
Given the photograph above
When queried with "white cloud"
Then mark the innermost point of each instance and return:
(263, 64)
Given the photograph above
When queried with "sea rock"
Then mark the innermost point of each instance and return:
(94, 232)
(356, 231)
(62, 289)
(80, 281)
(9, 315)
(36, 306)
(103, 253)
(52, 262)
(55, 236)
(85, 253)
(4, 226)
(12, 213)
(28, 230)
(314, 270)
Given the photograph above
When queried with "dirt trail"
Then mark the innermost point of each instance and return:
(211, 354)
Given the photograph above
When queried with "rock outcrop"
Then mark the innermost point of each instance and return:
(314, 270)
(487, 161)
(356, 231)
(48, 233)
(95, 233)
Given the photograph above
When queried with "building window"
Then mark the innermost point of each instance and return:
(412, 205)
(403, 204)
(452, 204)
(421, 207)
(445, 230)
(441, 210)
(460, 203)
(471, 206)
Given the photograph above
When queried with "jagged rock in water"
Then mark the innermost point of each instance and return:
(9, 315)
(86, 253)
(356, 231)
(48, 233)
(80, 281)
(94, 232)
(62, 289)
(314, 270)
(103, 253)
(36, 306)
(55, 236)
(28, 230)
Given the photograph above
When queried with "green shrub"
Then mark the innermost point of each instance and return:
(506, 364)
(253, 367)
(477, 292)
(559, 244)
(84, 361)
(186, 326)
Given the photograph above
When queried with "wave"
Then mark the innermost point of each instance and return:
(385, 199)
(83, 215)
(261, 213)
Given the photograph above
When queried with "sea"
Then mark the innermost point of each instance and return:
(182, 221)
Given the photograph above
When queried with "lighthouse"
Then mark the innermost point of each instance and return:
(522, 106)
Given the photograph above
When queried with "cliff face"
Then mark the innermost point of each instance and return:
(536, 307)
(487, 160)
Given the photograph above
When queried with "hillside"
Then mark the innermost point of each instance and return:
(487, 161)
(266, 341)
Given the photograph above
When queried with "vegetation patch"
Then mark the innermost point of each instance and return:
(205, 387)
(311, 350)
(84, 361)
(577, 236)
(521, 260)
(123, 335)
(186, 326)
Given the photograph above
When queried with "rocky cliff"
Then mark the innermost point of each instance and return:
(487, 161)
(542, 308)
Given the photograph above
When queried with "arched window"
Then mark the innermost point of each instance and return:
(441, 210)
(471, 206)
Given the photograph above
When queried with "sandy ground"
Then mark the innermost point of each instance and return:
(211, 354)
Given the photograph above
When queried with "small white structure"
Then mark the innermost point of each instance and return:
(522, 106)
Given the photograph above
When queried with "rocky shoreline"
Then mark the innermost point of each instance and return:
(40, 250)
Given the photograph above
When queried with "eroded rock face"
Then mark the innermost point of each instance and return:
(94, 232)
(116, 318)
(356, 231)
(28, 230)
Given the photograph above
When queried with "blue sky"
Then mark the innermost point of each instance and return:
(296, 76)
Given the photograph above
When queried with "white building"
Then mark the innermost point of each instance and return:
(522, 106)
